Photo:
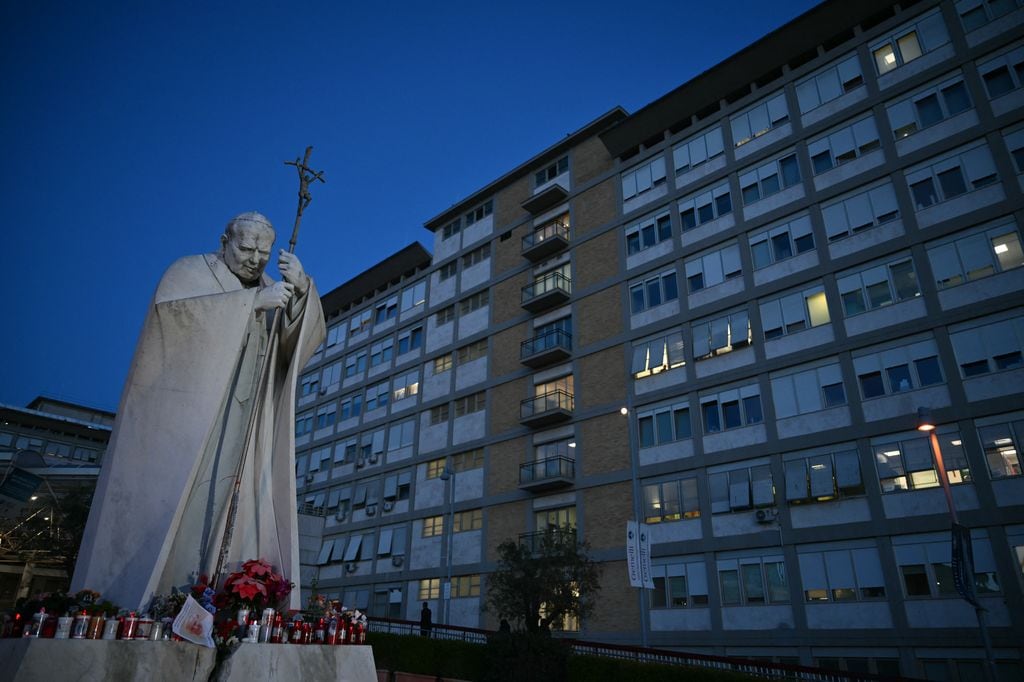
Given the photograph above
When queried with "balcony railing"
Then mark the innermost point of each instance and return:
(547, 408)
(535, 541)
(543, 474)
(552, 289)
(551, 346)
(546, 241)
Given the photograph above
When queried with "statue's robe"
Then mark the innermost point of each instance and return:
(161, 502)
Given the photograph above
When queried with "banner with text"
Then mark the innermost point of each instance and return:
(633, 554)
(644, 545)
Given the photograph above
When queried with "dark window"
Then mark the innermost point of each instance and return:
(688, 219)
(712, 423)
(822, 161)
(696, 282)
(871, 384)
(781, 245)
(752, 408)
(804, 243)
(1008, 360)
(915, 580)
(924, 193)
(705, 213)
(956, 98)
(834, 395)
(731, 414)
(899, 378)
(682, 421)
(952, 183)
(790, 170)
(973, 369)
(723, 204)
(664, 228)
(928, 371)
(928, 110)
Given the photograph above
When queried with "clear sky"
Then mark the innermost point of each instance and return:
(132, 131)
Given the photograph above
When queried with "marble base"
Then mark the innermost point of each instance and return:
(51, 660)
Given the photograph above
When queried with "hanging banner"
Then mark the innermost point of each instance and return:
(963, 564)
(644, 546)
(633, 554)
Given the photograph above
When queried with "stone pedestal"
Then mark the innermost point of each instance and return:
(52, 660)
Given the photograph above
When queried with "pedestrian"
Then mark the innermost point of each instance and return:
(426, 622)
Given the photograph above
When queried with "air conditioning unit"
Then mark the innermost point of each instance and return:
(360, 463)
(397, 561)
(371, 509)
(374, 458)
(766, 515)
(351, 566)
(388, 505)
(339, 516)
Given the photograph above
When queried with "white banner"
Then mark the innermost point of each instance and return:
(644, 547)
(633, 554)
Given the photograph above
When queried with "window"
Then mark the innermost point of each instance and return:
(477, 255)
(823, 477)
(336, 334)
(468, 520)
(781, 242)
(662, 425)
(769, 179)
(925, 565)
(360, 322)
(1003, 74)
(325, 415)
(410, 339)
(1015, 144)
(551, 172)
(472, 351)
(351, 406)
(695, 151)
(976, 13)
(317, 459)
(898, 369)
(680, 584)
(741, 489)
(753, 581)
(759, 119)
(977, 255)
(381, 352)
(829, 83)
(386, 310)
(465, 461)
(430, 588)
(991, 347)
(439, 414)
(671, 500)
(470, 404)
(474, 302)
(331, 377)
(406, 385)
(435, 468)
(1002, 444)
(465, 586)
(653, 292)
(705, 206)
(642, 178)
(720, 335)
(909, 42)
(713, 268)
(442, 363)
(433, 526)
(444, 315)
(377, 395)
(843, 145)
(451, 229)
(808, 390)
(731, 409)
(355, 363)
(908, 464)
(928, 107)
(860, 211)
(558, 518)
(480, 212)
(841, 575)
(657, 355)
(309, 384)
(400, 434)
(956, 173)
(648, 232)
(448, 270)
(414, 295)
(878, 286)
(303, 424)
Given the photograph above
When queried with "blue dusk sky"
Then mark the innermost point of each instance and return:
(133, 131)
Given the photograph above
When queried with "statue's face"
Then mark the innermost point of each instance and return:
(247, 251)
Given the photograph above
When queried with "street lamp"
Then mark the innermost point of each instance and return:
(959, 550)
(448, 476)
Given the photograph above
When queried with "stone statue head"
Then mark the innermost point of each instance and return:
(245, 245)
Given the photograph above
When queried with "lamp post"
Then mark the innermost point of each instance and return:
(965, 586)
(448, 476)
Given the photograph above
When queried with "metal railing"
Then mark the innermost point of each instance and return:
(550, 467)
(558, 399)
(553, 338)
(553, 229)
(551, 282)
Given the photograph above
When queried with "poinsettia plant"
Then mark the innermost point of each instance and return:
(255, 587)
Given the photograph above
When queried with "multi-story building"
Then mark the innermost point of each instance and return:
(718, 315)
(48, 450)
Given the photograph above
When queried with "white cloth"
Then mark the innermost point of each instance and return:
(155, 520)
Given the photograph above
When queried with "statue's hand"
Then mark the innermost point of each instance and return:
(291, 270)
(276, 295)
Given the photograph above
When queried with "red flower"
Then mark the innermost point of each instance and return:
(247, 588)
(257, 567)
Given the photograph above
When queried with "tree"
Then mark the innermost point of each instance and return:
(554, 576)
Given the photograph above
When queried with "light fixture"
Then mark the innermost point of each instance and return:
(624, 411)
(572, 444)
(924, 419)
(34, 498)
(1002, 248)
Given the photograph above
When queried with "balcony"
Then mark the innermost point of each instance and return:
(545, 474)
(550, 290)
(548, 408)
(545, 199)
(546, 241)
(553, 536)
(552, 346)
